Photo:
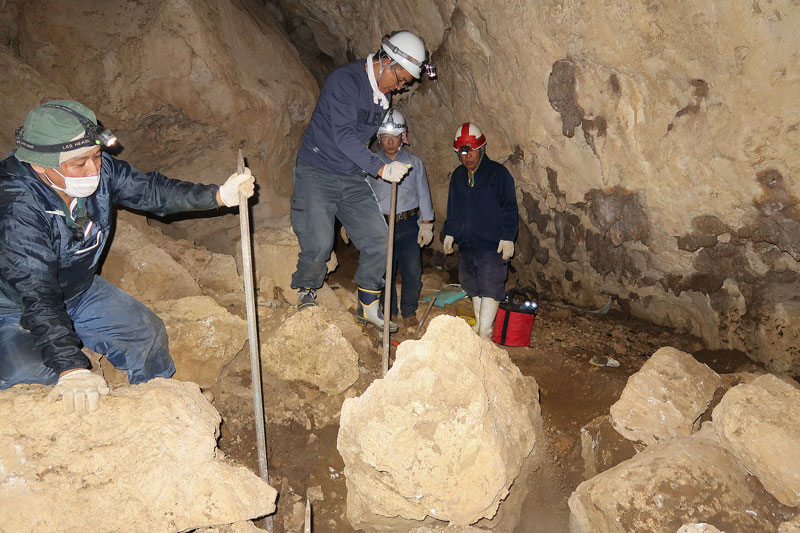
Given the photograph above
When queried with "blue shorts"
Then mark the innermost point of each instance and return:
(483, 273)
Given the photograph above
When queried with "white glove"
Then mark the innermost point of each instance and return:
(448, 244)
(79, 391)
(506, 248)
(395, 171)
(229, 191)
(345, 236)
(425, 235)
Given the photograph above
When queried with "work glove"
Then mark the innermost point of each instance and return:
(506, 248)
(395, 171)
(448, 244)
(229, 191)
(80, 391)
(425, 235)
(345, 236)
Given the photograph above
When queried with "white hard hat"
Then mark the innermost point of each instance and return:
(468, 137)
(405, 49)
(393, 123)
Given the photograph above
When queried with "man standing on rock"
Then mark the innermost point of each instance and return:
(57, 195)
(414, 219)
(330, 175)
(482, 219)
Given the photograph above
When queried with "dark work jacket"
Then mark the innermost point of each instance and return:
(344, 121)
(480, 217)
(43, 265)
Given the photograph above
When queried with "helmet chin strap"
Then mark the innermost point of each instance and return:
(382, 68)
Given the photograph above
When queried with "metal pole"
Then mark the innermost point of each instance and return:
(387, 294)
(252, 331)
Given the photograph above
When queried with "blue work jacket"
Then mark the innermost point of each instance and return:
(45, 262)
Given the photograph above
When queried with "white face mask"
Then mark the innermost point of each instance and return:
(76, 187)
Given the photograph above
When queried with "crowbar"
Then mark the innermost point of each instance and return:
(252, 331)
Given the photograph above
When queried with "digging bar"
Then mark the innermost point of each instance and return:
(252, 330)
(387, 294)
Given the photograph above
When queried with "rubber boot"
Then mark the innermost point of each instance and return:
(476, 305)
(488, 312)
(368, 311)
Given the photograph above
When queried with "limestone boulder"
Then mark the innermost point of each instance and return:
(203, 337)
(442, 436)
(143, 269)
(757, 422)
(685, 480)
(311, 348)
(664, 398)
(145, 460)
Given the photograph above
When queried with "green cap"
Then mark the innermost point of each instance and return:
(49, 125)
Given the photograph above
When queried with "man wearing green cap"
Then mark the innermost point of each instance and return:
(57, 193)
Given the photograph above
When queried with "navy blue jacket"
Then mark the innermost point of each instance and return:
(344, 121)
(480, 217)
(43, 265)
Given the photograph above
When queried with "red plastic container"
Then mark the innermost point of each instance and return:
(513, 325)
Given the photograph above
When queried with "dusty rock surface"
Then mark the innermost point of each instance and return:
(602, 447)
(442, 435)
(664, 398)
(203, 337)
(757, 422)
(791, 526)
(684, 480)
(145, 460)
(309, 347)
(144, 269)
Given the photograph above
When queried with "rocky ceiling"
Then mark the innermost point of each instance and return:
(654, 143)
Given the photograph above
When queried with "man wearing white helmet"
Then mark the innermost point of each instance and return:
(414, 219)
(330, 175)
(482, 219)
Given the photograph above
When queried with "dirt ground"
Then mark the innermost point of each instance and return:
(304, 462)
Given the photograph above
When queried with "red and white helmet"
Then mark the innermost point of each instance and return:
(468, 137)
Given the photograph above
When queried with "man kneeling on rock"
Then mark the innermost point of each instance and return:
(482, 219)
(57, 194)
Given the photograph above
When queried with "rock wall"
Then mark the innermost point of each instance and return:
(653, 144)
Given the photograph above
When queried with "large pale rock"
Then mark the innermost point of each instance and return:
(203, 337)
(309, 347)
(443, 435)
(144, 270)
(665, 397)
(758, 423)
(146, 460)
(684, 480)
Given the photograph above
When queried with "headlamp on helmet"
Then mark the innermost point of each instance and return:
(468, 137)
(95, 135)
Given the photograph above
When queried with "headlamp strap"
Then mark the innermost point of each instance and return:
(89, 140)
(386, 42)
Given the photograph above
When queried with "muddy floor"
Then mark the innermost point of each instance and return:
(303, 460)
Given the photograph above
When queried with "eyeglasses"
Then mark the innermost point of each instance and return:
(401, 81)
